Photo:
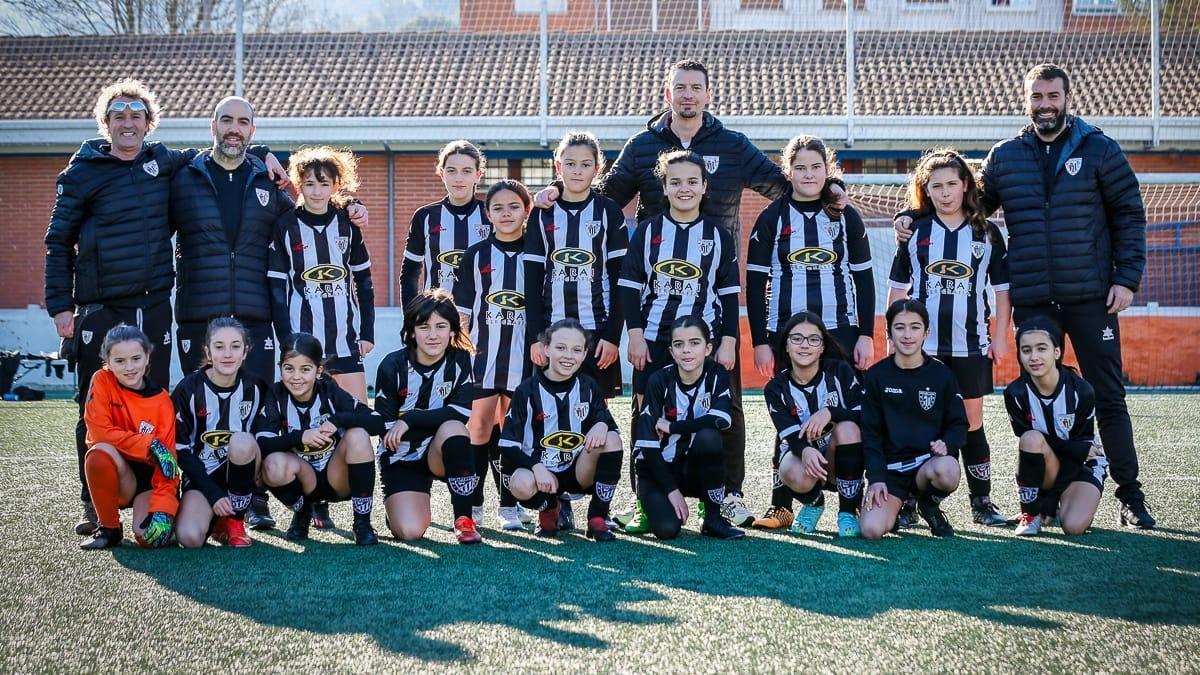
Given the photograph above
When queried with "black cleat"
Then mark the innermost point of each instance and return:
(907, 517)
(103, 537)
(597, 529)
(301, 519)
(932, 513)
(985, 513)
(1137, 515)
(566, 515)
(88, 522)
(258, 516)
(717, 527)
(364, 533)
(320, 517)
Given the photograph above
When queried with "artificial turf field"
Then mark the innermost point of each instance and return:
(1113, 600)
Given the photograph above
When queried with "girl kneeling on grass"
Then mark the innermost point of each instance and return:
(678, 445)
(913, 425)
(1061, 466)
(130, 438)
(559, 437)
(323, 453)
(424, 392)
(219, 421)
(815, 405)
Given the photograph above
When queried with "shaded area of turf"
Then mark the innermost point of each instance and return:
(984, 601)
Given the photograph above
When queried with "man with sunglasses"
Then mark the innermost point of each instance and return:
(108, 246)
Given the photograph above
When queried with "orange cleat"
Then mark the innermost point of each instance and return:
(465, 532)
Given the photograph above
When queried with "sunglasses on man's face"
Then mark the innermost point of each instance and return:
(122, 106)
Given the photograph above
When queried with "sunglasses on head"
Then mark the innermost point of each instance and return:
(121, 106)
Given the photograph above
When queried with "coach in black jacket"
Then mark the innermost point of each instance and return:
(1076, 249)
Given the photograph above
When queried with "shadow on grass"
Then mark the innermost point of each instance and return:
(407, 596)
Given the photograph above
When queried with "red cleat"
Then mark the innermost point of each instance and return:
(465, 532)
(548, 522)
(230, 532)
(597, 529)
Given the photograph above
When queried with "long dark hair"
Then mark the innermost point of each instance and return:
(832, 168)
(426, 304)
(948, 158)
(833, 348)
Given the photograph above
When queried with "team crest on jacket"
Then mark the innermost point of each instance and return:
(706, 246)
(443, 390)
(87, 337)
(711, 162)
(1073, 165)
(593, 228)
(151, 168)
(581, 410)
(185, 344)
(833, 228)
(977, 248)
(927, 399)
(343, 244)
(263, 196)
(1065, 422)
(245, 408)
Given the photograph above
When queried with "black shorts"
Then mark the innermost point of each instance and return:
(408, 475)
(608, 378)
(219, 475)
(1090, 472)
(324, 492)
(568, 481)
(481, 393)
(660, 357)
(260, 360)
(681, 468)
(142, 473)
(974, 374)
(344, 365)
(901, 485)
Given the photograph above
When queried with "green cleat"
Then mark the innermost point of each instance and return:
(637, 523)
(807, 519)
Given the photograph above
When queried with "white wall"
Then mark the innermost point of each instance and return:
(890, 15)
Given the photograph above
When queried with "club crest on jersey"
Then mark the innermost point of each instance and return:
(833, 228)
(481, 230)
(185, 344)
(593, 228)
(245, 408)
(343, 244)
(711, 162)
(581, 410)
(706, 401)
(1073, 165)
(151, 168)
(977, 248)
(263, 196)
(927, 399)
(145, 428)
(1065, 422)
(443, 389)
(87, 337)
(832, 400)
(706, 246)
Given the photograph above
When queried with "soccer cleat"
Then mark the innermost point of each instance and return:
(719, 528)
(848, 525)
(477, 515)
(364, 533)
(465, 532)
(807, 519)
(932, 513)
(566, 515)
(88, 522)
(1028, 525)
(597, 529)
(510, 519)
(1137, 515)
(701, 510)
(301, 519)
(734, 509)
(776, 518)
(320, 516)
(908, 514)
(623, 518)
(639, 523)
(984, 512)
(103, 537)
(230, 532)
(547, 522)
(258, 516)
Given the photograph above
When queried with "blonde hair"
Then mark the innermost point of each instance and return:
(339, 166)
(128, 88)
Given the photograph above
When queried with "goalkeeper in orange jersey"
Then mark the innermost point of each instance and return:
(130, 459)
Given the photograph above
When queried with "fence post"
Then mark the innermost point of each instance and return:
(1155, 72)
(238, 47)
(850, 73)
(543, 72)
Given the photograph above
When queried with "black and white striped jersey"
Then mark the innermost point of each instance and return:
(491, 293)
(548, 421)
(949, 271)
(207, 416)
(439, 235)
(573, 255)
(790, 404)
(673, 270)
(1067, 417)
(329, 403)
(324, 263)
(811, 262)
(425, 397)
(706, 403)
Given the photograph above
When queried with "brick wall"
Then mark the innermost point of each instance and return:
(26, 198)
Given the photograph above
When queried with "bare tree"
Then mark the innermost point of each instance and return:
(88, 17)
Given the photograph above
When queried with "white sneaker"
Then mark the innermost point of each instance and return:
(510, 518)
(477, 515)
(735, 510)
(523, 515)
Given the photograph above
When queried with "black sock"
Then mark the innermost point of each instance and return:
(633, 420)
(608, 474)
(241, 487)
(361, 477)
(977, 460)
(814, 497)
(1031, 471)
(458, 455)
(480, 455)
(848, 468)
(290, 495)
(935, 494)
(260, 490)
(506, 495)
(781, 495)
(538, 502)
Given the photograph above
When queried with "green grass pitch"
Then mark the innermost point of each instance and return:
(1113, 600)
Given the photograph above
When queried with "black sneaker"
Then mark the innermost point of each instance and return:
(566, 515)
(320, 517)
(907, 517)
(103, 537)
(301, 519)
(88, 522)
(985, 513)
(932, 513)
(717, 527)
(258, 516)
(1136, 514)
(364, 533)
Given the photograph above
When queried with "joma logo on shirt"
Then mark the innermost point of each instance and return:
(948, 269)
(324, 274)
(678, 269)
(573, 257)
(563, 440)
(451, 258)
(812, 256)
(507, 300)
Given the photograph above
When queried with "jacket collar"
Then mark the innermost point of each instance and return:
(256, 165)
(660, 125)
(1077, 130)
(99, 149)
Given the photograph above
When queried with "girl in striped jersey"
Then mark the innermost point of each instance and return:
(678, 444)
(323, 453)
(950, 263)
(315, 253)
(573, 255)
(816, 406)
(1061, 466)
(491, 294)
(442, 231)
(424, 393)
(559, 436)
(805, 254)
(222, 412)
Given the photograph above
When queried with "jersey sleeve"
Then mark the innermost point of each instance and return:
(351, 413)
(998, 265)
(758, 272)
(598, 409)
(728, 286)
(1083, 431)
(633, 278)
(535, 277)
(464, 288)
(647, 445)
(360, 267)
(185, 431)
(279, 280)
(861, 269)
(513, 433)
(620, 184)
(901, 274)
(850, 409)
(1015, 404)
(616, 241)
(387, 405)
(786, 425)
(267, 423)
(414, 257)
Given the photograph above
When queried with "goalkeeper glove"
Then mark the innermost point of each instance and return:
(166, 461)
